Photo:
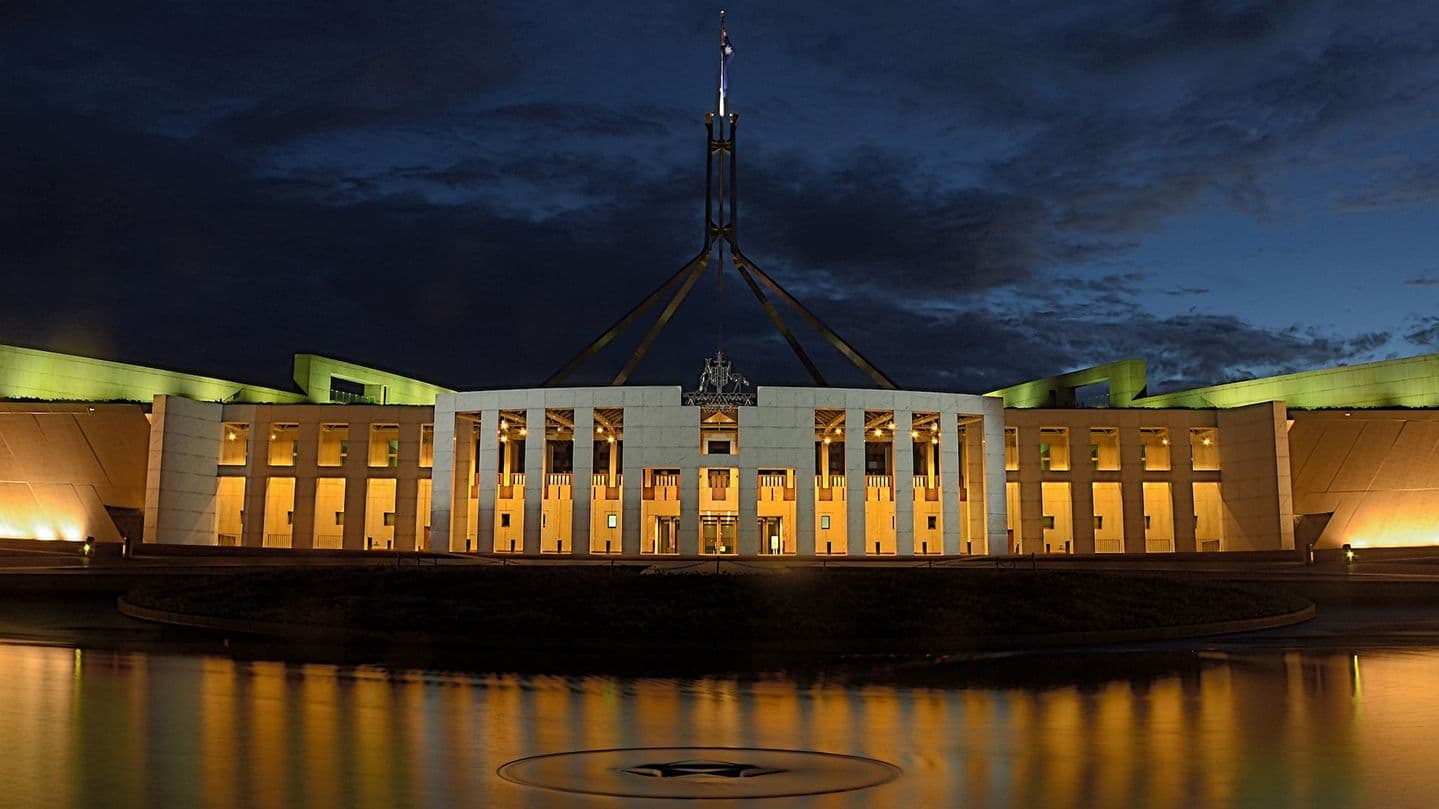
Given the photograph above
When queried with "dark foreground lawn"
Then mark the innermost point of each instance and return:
(555, 606)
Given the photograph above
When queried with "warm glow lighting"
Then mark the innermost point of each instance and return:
(230, 436)
(1164, 441)
(612, 439)
(1205, 442)
(914, 433)
(878, 431)
(600, 430)
(934, 428)
(504, 439)
(826, 439)
(504, 425)
(524, 431)
(891, 425)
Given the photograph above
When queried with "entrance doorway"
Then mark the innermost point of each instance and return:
(718, 533)
(666, 537)
(771, 535)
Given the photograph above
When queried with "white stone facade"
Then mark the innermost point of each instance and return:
(661, 432)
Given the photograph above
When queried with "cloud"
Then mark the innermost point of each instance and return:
(1412, 182)
(397, 186)
(1425, 332)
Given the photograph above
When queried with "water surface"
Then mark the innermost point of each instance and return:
(1242, 727)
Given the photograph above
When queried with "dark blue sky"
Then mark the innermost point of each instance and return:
(973, 194)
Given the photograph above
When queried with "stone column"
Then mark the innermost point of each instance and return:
(631, 494)
(951, 477)
(453, 471)
(584, 468)
(994, 478)
(535, 477)
(257, 466)
(855, 493)
(442, 475)
(804, 528)
(902, 449)
(1031, 495)
(1181, 475)
(302, 531)
(486, 481)
(748, 494)
(1081, 489)
(1131, 481)
(690, 483)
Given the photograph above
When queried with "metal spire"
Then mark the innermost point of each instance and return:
(720, 230)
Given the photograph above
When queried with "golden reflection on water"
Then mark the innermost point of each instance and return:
(87, 728)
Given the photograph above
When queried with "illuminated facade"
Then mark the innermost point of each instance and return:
(358, 459)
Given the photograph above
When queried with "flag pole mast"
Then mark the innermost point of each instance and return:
(720, 92)
(720, 88)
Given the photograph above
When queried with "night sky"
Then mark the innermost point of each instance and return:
(469, 192)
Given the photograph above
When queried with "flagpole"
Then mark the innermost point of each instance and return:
(720, 89)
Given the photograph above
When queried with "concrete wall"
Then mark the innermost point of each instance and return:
(312, 373)
(32, 374)
(180, 481)
(62, 464)
(1375, 471)
(1406, 382)
(1253, 478)
(1254, 457)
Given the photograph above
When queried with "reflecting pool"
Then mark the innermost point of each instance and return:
(1246, 727)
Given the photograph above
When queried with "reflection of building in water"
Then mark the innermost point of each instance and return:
(360, 459)
(1244, 729)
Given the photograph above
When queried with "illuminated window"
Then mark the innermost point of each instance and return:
(234, 443)
(1204, 446)
(284, 444)
(1104, 448)
(384, 445)
(1054, 449)
(1154, 448)
(427, 446)
(334, 445)
(824, 522)
(612, 520)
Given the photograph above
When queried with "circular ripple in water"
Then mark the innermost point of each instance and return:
(699, 772)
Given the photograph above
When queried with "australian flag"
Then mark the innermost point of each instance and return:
(726, 51)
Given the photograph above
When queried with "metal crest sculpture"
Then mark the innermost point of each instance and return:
(721, 231)
(720, 386)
